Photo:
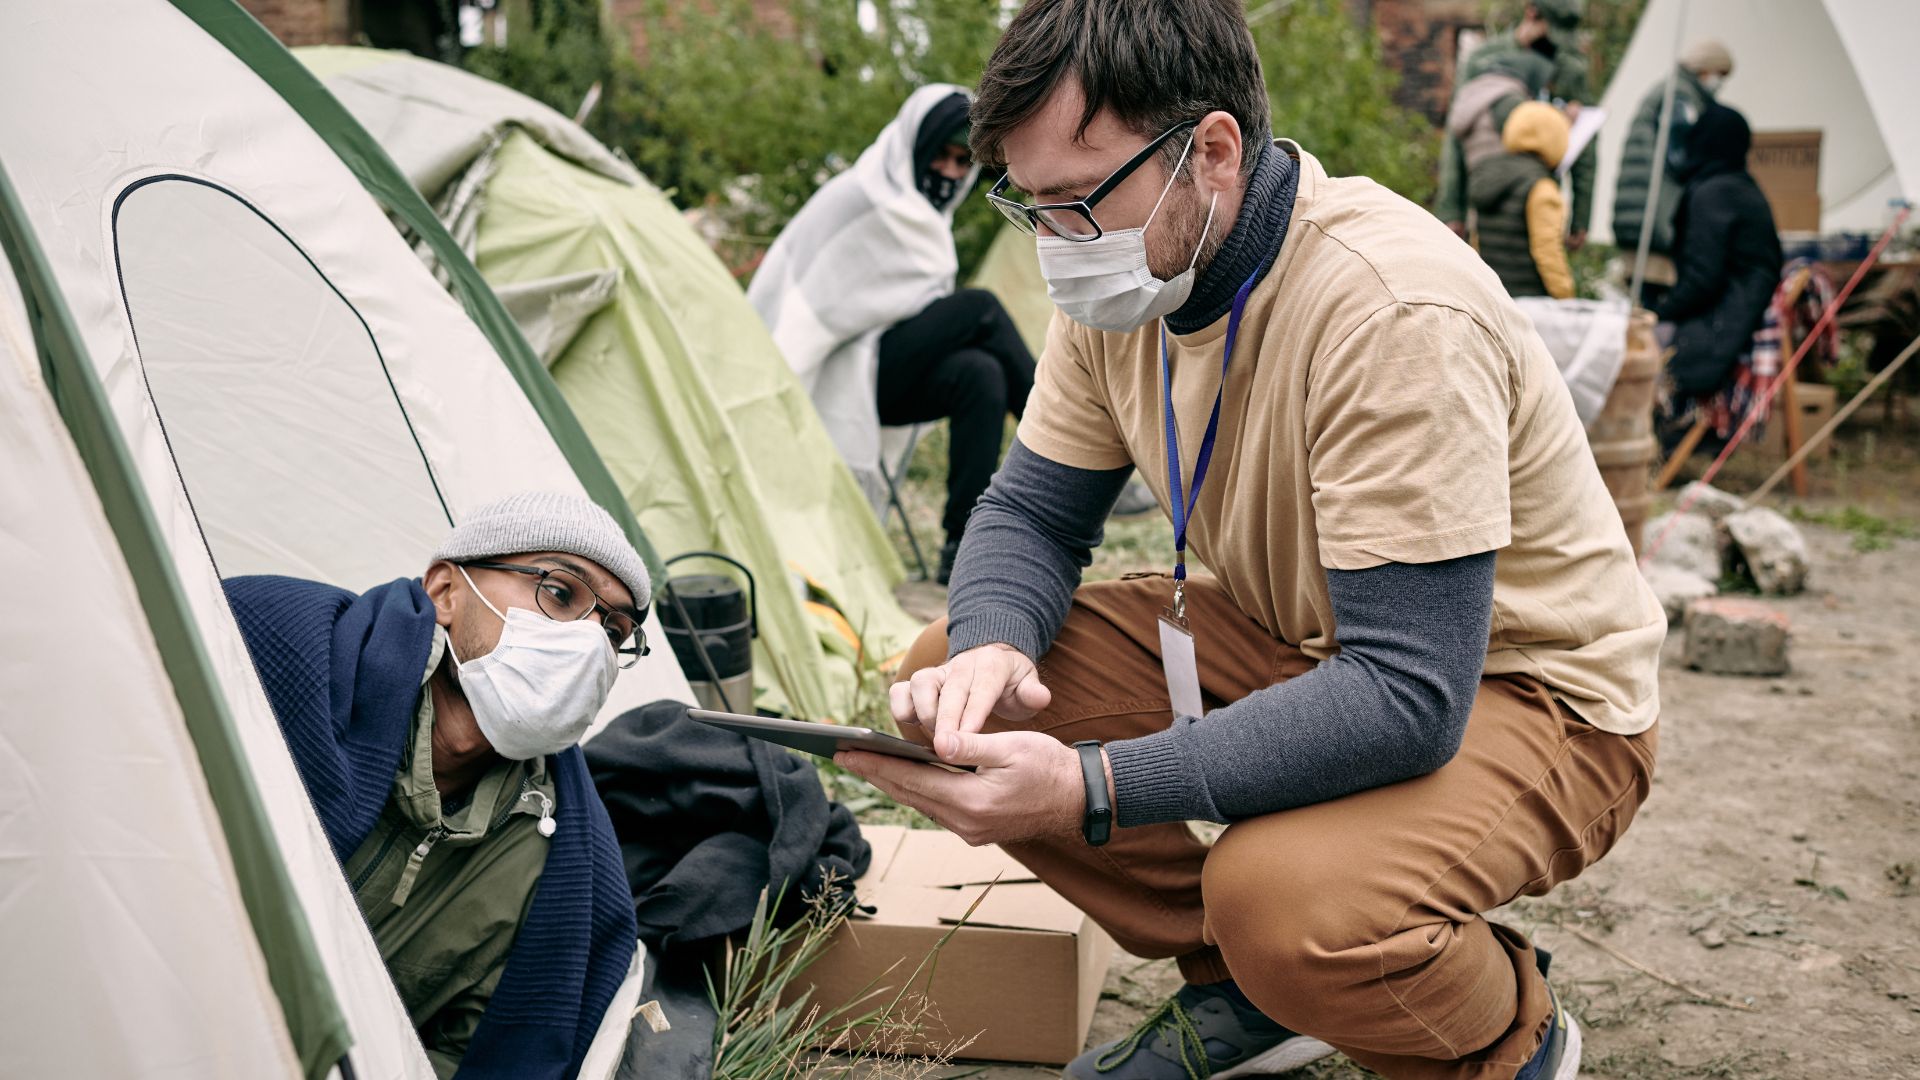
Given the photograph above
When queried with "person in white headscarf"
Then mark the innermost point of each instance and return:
(859, 294)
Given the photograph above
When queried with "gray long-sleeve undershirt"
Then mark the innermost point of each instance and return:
(1392, 704)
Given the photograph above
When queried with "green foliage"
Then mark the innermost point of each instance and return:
(1332, 93)
(1871, 532)
(1609, 28)
(556, 51)
(1590, 266)
(748, 117)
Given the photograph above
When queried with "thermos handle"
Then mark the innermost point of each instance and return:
(753, 591)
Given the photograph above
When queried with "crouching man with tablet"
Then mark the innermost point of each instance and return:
(1347, 419)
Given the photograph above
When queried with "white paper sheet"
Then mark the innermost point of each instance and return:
(1585, 127)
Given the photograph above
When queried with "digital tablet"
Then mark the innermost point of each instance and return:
(823, 740)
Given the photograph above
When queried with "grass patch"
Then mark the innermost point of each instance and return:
(1871, 532)
(770, 1029)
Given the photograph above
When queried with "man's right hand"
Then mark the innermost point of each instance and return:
(1459, 228)
(960, 694)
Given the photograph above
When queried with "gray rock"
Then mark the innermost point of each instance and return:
(1772, 548)
(1692, 545)
(1731, 636)
(1677, 588)
(1711, 501)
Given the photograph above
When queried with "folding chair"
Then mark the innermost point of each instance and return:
(893, 476)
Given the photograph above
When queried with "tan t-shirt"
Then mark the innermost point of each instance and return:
(1387, 403)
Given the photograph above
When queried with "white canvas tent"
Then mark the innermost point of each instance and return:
(1843, 67)
(218, 356)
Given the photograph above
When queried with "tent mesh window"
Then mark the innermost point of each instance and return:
(278, 408)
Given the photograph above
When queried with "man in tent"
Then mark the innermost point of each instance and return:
(1703, 67)
(1421, 678)
(859, 294)
(1547, 28)
(433, 722)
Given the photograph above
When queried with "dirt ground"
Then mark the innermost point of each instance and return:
(1762, 916)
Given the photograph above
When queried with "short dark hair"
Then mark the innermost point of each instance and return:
(1155, 63)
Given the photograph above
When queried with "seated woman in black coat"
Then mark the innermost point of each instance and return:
(1728, 254)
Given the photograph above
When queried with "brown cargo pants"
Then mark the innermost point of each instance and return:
(1358, 920)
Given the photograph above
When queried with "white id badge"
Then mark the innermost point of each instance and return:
(1183, 674)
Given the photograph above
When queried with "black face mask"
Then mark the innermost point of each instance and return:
(1545, 47)
(937, 188)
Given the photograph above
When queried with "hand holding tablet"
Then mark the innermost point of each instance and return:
(822, 740)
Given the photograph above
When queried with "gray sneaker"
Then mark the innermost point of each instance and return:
(1199, 1033)
(1559, 1055)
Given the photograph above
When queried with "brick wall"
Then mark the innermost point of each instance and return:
(625, 17)
(306, 22)
(1420, 40)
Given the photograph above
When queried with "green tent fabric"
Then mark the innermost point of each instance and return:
(1011, 271)
(709, 437)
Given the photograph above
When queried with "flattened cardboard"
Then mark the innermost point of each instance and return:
(1023, 935)
(1786, 165)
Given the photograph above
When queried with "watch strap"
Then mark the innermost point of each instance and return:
(1097, 825)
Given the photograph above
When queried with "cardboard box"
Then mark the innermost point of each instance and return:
(1020, 978)
(1817, 405)
(1786, 165)
(1795, 213)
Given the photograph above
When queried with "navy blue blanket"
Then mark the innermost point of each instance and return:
(343, 675)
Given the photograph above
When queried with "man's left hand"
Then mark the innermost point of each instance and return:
(1025, 785)
(1576, 239)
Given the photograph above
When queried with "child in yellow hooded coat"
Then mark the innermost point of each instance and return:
(1522, 218)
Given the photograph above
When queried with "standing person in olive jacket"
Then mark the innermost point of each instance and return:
(1728, 253)
(1701, 71)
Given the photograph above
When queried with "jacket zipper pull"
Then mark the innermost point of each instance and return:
(414, 861)
(547, 826)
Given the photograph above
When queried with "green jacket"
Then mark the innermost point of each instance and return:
(1569, 83)
(444, 885)
(1690, 99)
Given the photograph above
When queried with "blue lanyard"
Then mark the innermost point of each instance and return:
(1184, 502)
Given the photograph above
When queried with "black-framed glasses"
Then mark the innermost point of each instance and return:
(1074, 220)
(564, 596)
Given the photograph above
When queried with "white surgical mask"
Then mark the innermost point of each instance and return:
(540, 688)
(1105, 283)
(1713, 82)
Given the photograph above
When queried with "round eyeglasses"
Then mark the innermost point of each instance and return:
(565, 596)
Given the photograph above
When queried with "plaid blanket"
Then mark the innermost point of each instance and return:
(1796, 308)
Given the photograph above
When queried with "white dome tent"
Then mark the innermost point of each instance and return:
(218, 356)
(1843, 67)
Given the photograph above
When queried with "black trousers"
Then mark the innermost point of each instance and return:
(963, 359)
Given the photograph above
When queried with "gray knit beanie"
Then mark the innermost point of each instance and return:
(549, 521)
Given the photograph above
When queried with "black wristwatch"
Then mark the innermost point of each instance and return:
(1097, 826)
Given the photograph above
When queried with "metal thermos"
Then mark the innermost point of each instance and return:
(711, 625)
